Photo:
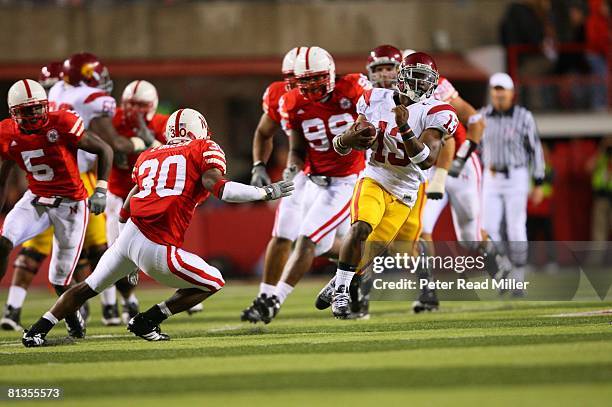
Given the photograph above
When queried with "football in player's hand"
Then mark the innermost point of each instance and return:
(368, 137)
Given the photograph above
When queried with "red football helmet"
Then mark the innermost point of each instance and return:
(50, 74)
(383, 55)
(86, 68)
(418, 76)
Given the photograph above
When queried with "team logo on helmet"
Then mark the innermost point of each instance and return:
(52, 135)
(345, 103)
(87, 70)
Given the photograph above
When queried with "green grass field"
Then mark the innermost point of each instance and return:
(501, 353)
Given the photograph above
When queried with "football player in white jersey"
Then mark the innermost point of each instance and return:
(410, 128)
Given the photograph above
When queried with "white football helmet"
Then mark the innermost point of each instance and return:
(288, 65)
(28, 104)
(140, 97)
(185, 125)
(315, 72)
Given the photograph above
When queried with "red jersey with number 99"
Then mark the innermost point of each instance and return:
(321, 122)
(48, 156)
(169, 180)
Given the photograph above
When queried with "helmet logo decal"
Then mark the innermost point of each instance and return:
(87, 70)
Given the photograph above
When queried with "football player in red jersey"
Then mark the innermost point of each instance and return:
(321, 107)
(287, 219)
(44, 144)
(136, 115)
(170, 181)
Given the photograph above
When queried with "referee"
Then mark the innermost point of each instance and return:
(511, 152)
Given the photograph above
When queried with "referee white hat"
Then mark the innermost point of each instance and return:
(502, 80)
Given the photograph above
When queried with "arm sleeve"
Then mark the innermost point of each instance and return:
(213, 157)
(237, 192)
(534, 148)
(443, 118)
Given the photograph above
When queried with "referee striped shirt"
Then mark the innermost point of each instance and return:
(511, 140)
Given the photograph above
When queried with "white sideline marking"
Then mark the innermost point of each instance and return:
(584, 314)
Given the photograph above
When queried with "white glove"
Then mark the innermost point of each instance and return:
(290, 172)
(435, 189)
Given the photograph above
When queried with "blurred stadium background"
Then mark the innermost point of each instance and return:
(218, 57)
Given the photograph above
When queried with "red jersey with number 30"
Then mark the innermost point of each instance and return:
(120, 181)
(48, 156)
(321, 122)
(169, 180)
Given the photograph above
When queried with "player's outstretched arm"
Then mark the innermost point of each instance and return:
(262, 150)
(94, 144)
(230, 191)
(103, 127)
(5, 170)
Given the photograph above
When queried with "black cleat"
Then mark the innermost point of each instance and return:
(324, 298)
(84, 310)
(130, 310)
(33, 340)
(110, 315)
(251, 314)
(268, 308)
(142, 327)
(11, 319)
(75, 326)
(427, 301)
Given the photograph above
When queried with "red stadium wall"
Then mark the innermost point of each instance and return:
(239, 233)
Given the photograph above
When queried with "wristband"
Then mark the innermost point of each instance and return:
(403, 128)
(217, 187)
(408, 135)
(339, 147)
(422, 156)
(124, 213)
(102, 184)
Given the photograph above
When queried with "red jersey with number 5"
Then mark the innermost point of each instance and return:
(120, 181)
(321, 122)
(48, 156)
(169, 180)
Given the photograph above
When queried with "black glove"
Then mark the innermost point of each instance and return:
(259, 175)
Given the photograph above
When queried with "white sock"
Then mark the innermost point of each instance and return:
(343, 277)
(267, 289)
(50, 317)
(109, 296)
(164, 309)
(282, 291)
(16, 296)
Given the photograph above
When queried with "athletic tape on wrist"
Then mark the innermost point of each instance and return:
(422, 156)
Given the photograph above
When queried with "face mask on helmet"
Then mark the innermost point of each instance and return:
(31, 116)
(134, 108)
(416, 83)
(290, 81)
(383, 75)
(315, 87)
